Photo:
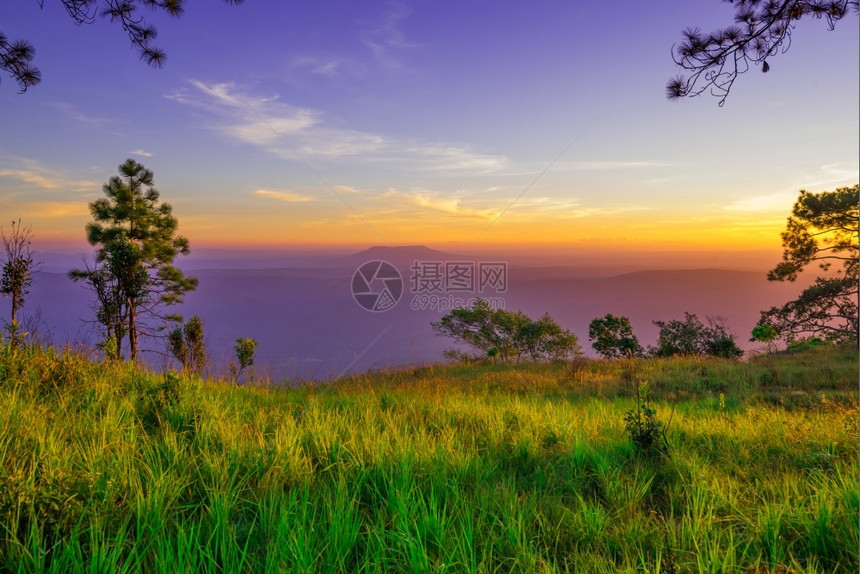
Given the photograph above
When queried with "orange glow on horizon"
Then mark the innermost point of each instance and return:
(640, 232)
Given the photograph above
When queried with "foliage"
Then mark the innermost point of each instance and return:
(822, 229)
(679, 338)
(807, 344)
(691, 337)
(760, 31)
(764, 333)
(244, 350)
(613, 337)
(511, 335)
(188, 346)
(136, 243)
(17, 275)
(645, 430)
(492, 468)
(16, 57)
(109, 307)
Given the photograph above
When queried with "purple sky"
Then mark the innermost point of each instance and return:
(287, 123)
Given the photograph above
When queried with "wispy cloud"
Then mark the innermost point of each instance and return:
(386, 40)
(342, 189)
(287, 130)
(456, 158)
(772, 202)
(616, 165)
(51, 209)
(430, 201)
(142, 153)
(319, 65)
(826, 177)
(468, 204)
(76, 114)
(287, 196)
(281, 128)
(544, 207)
(31, 173)
(830, 175)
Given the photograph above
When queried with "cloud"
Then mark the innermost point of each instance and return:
(613, 165)
(262, 131)
(456, 158)
(338, 143)
(830, 175)
(294, 132)
(426, 200)
(279, 127)
(826, 178)
(287, 196)
(31, 177)
(224, 94)
(346, 189)
(141, 152)
(773, 202)
(329, 67)
(33, 174)
(387, 41)
(49, 209)
(74, 113)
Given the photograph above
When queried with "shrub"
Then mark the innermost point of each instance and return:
(511, 335)
(645, 430)
(613, 337)
(807, 344)
(692, 337)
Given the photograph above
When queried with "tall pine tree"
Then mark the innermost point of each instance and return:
(136, 243)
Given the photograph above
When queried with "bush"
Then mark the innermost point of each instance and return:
(613, 337)
(511, 335)
(807, 345)
(645, 430)
(188, 346)
(692, 337)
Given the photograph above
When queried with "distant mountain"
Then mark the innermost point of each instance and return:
(309, 325)
(398, 255)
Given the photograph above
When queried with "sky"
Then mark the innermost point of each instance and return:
(449, 124)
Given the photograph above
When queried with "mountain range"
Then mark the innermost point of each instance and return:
(309, 326)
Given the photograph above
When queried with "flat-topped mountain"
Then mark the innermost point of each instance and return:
(399, 255)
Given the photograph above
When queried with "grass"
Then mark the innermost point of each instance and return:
(461, 468)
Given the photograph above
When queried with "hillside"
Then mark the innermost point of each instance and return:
(446, 468)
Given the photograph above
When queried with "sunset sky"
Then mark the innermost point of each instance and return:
(449, 124)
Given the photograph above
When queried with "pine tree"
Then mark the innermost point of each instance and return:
(136, 243)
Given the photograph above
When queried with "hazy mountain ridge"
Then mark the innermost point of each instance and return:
(309, 326)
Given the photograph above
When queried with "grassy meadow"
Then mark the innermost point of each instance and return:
(459, 468)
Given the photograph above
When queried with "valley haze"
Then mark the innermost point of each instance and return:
(299, 306)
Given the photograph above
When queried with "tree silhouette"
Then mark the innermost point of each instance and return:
(109, 306)
(822, 229)
(613, 337)
(16, 57)
(511, 335)
(761, 30)
(245, 348)
(17, 270)
(136, 242)
(187, 344)
(691, 337)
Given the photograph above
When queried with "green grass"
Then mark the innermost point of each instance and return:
(462, 468)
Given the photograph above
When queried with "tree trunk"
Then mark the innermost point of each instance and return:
(132, 330)
(16, 296)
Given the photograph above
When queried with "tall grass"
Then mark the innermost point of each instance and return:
(439, 469)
